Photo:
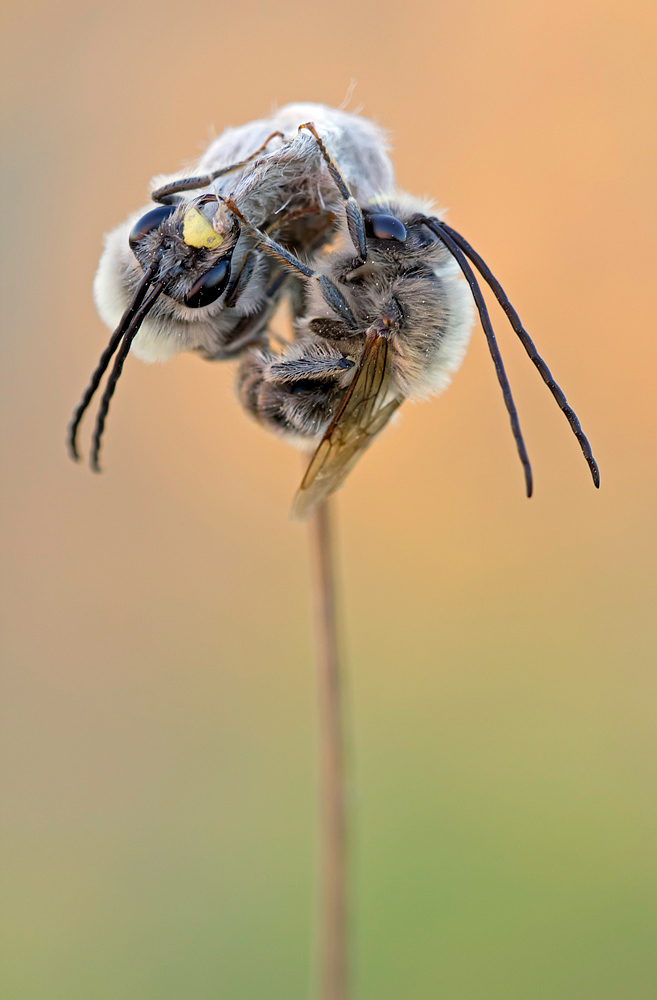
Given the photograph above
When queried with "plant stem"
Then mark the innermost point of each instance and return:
(333, 915)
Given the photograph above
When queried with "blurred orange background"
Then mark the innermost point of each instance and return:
(159, 697)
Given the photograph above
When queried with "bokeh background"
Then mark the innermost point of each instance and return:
(159, 697)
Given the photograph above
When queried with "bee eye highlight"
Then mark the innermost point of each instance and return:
(209, 286)
(148, 223)
(385, 227)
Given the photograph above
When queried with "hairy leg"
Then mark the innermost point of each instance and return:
(165, 194)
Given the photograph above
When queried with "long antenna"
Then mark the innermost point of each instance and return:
(101, 367)
(117, 368)
(436, 226)
(530, 348)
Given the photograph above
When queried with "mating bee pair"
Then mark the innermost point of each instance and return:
(381, 315)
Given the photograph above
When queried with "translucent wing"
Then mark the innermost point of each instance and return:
(362, 414)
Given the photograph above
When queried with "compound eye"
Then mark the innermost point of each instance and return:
(385, 227)
(209, 286)
(149, 222)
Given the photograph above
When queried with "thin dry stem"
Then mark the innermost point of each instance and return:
(333, 917)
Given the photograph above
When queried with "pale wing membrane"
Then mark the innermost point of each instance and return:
(363, 413)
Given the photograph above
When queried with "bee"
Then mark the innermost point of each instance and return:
(387, 317)
(181, 275)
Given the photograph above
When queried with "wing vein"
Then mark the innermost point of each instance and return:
(363, 413)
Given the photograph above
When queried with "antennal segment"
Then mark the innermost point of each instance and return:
(436, 226)
(117, 368)
(101, 367)
(530, 348)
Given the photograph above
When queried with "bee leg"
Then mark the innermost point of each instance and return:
(239, 283)
(354, 215)
(308, 358)
(251, 330)
(297, 392)
(164, 194)
(330, 292)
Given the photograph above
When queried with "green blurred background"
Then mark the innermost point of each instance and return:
(159, 702)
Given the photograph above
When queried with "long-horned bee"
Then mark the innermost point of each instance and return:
(182, 276)
(381, 289)
(387, 318)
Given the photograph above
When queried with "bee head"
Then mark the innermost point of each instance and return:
(395, 233)
(176, 260)
(191, 245)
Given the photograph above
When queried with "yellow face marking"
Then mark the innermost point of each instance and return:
(197, 231)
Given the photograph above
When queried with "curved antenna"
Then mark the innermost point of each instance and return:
(530, 348)
(165, 193)
(436, 226)
(117, 368)
(101, 367)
